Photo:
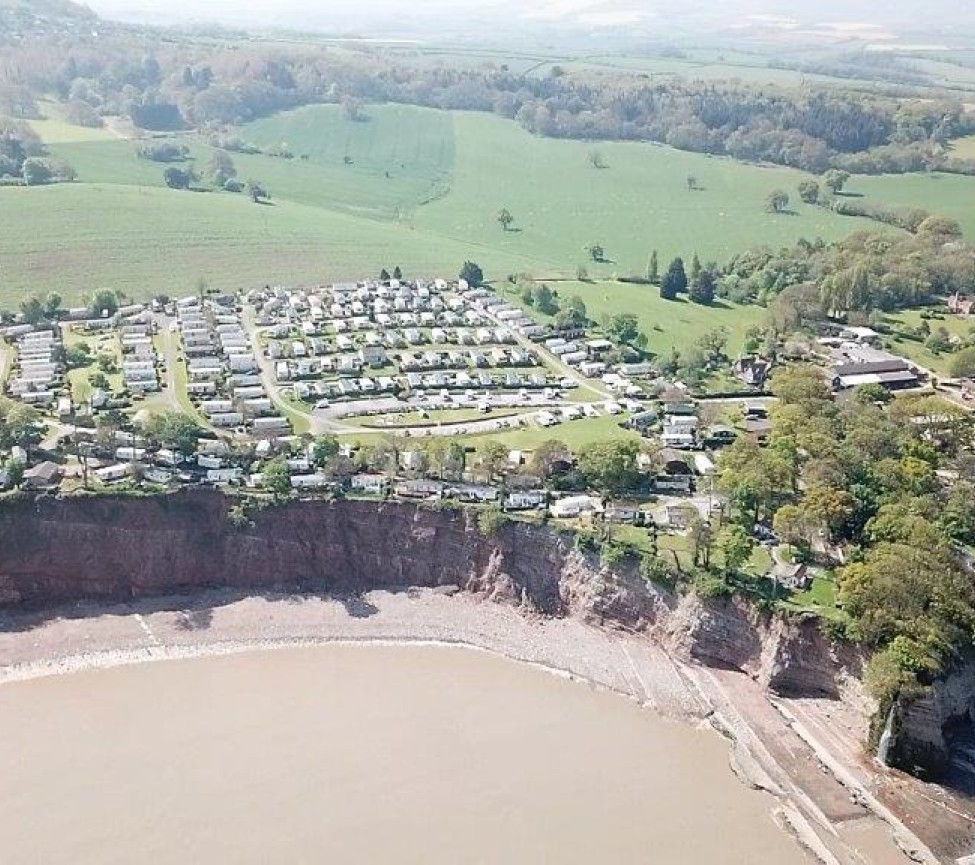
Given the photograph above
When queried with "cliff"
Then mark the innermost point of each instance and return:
(59, 550)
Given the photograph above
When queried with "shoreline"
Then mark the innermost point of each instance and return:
(813, 808)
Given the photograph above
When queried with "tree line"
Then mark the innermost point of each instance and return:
(24, 160)
(169, 84)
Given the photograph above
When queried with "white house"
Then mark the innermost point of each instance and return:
(575, 506)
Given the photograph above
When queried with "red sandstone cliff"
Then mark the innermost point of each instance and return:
(55, 550)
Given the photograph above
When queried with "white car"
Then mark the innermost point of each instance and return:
(322, 404)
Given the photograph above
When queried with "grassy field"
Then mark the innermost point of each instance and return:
(964, 148)
(917, 351)
(667, 323)
(421, 189)
(145, 240)
(55, 129)
(639, 202)
(944, 194)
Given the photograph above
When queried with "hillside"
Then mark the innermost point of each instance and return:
(21, 19)
(421, 188)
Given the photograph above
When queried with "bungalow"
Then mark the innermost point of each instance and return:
(680, 407)
(167, 457)
(751, 369)
(227, 419)
(419, 489)
(720, 435)
(624, 514)
(224, 476)
(575, 506)
(315, 481)
(271, 425)
(373, 355)
(130, 453)
(44, 476)
(371, 484)
(793, 576)
(677, 437)
(158, 476)
(113, 474)
(474, 493)
(596, 348)
(526, 500)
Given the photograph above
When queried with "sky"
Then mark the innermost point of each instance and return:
(653, 16)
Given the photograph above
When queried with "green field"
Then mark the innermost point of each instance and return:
(944, 194)
(421, 189)
(916, 350)
(54, 129)
(667, 323)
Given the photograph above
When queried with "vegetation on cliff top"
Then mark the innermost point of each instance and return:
(886, 486)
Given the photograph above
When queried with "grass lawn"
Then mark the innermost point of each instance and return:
(575, 434)
(667, 323)
(433, 418)
(819, 598)
(917, 351)
(421, 189)
(296, 412)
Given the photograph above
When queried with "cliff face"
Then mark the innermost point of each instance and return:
(54, 551)
(58, 550)
(920, 731)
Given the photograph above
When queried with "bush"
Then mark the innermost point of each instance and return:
(655, 570)
(611, 554)
(707, 585)
(491, 520)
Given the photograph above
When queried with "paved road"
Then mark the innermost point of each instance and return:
(6, 362)
(556, 363)
(318, 423)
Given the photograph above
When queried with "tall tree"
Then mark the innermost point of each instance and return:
(674, 281)
(472, 274)
(653, 268)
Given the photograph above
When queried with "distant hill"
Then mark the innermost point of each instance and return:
(23, 18)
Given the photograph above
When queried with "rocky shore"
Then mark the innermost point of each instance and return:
(96, 582)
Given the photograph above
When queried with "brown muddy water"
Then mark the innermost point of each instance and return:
(370, 754)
